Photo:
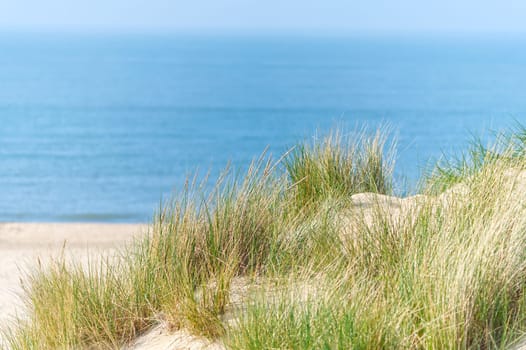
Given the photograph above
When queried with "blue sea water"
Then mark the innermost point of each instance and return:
(100, 128)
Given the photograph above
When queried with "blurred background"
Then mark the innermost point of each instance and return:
(106, 108)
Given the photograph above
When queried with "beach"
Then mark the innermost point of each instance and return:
(24, 245)
(386, 209)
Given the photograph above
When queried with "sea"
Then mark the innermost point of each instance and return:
(105, 128)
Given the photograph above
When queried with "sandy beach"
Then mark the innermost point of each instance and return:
(23, 244)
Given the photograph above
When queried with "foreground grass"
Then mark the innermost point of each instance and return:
(445, 276)
(447, 272)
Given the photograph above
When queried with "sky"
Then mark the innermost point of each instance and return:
(266, 16)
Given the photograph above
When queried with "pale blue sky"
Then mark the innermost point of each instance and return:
(323, 16)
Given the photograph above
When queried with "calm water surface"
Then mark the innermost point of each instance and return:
(97, 128)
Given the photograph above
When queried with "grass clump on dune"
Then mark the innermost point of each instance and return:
(199, 244)
(194, 241)
(445, 269)
(182, 271)
(508, 150)
(73, 304)
(449, 273)
(339, 165)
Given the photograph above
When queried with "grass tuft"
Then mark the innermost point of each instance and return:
(339, 165)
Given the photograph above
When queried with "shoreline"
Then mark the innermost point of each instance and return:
(24, 244)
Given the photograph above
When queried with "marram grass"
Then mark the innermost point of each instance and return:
(339, 165)
(445, 271)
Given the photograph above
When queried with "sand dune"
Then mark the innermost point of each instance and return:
(23, 244)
